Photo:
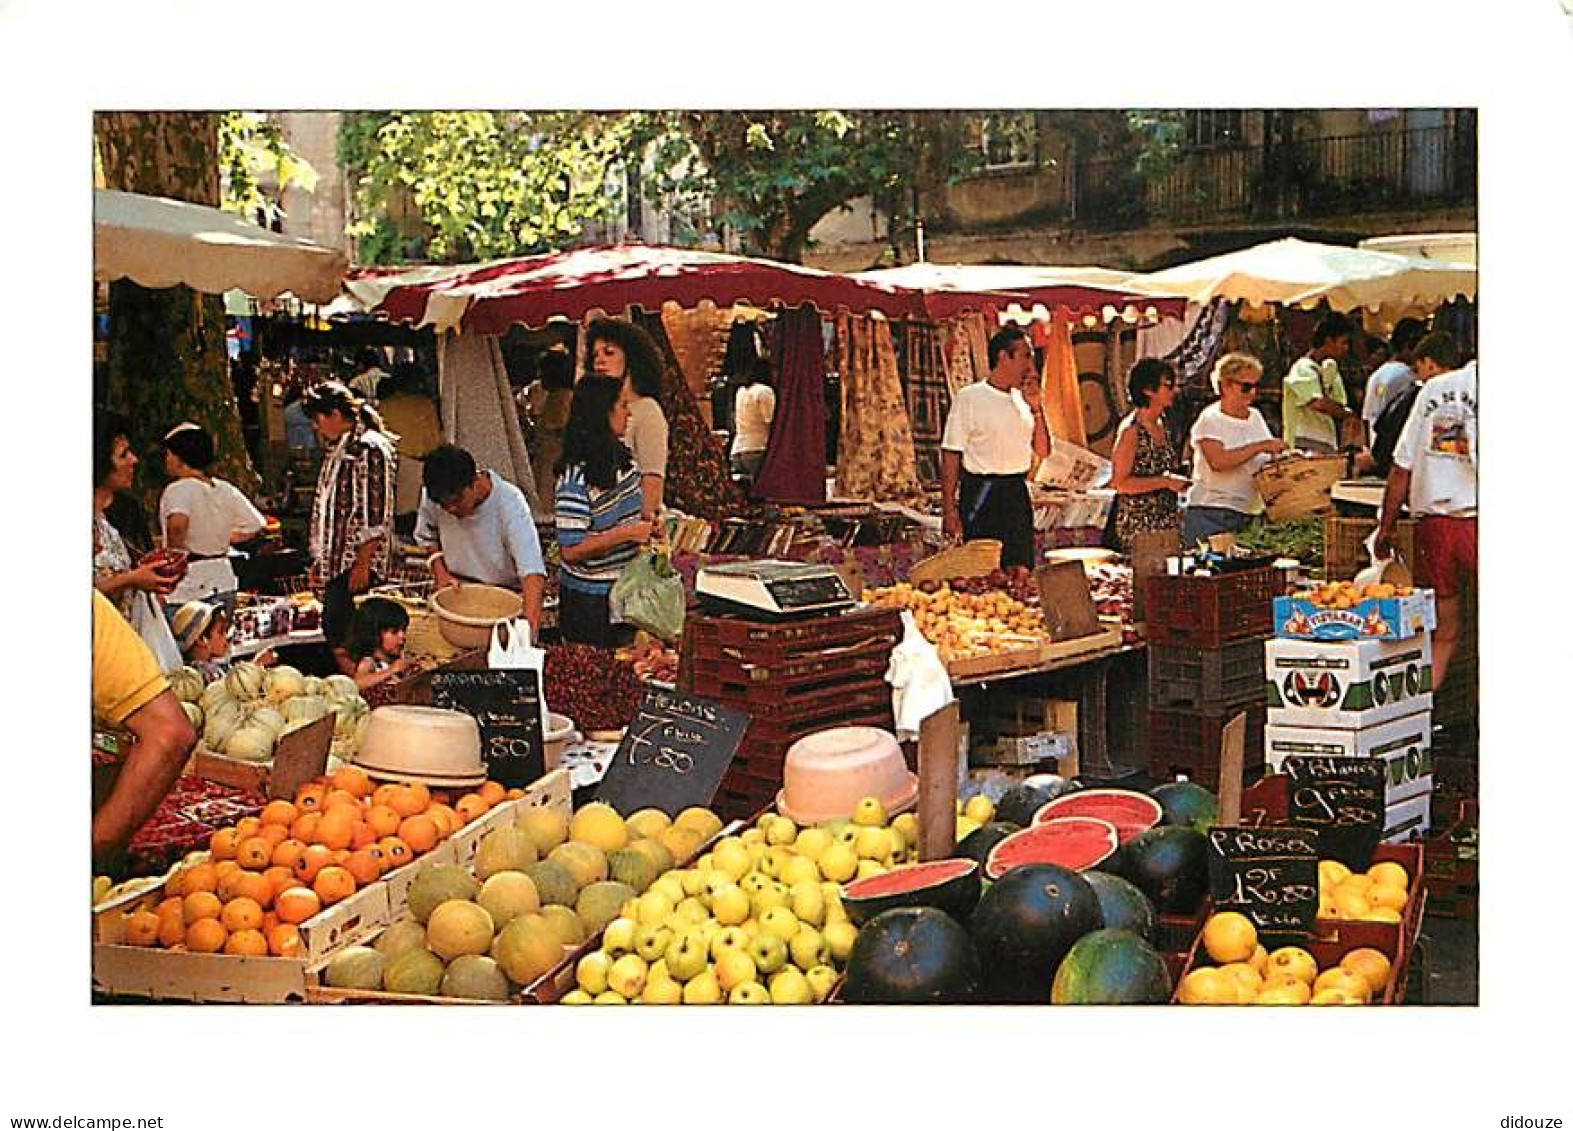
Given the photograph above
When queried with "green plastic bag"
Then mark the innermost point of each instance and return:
(648, 594)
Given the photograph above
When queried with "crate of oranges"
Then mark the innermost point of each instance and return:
(303, 878)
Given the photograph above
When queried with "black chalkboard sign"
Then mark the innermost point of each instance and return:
(1269, 876)
(1345, 799)
(507, 705)
(673, 755)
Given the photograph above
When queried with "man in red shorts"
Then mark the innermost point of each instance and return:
(1435, 469)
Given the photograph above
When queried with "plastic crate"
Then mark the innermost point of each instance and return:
(1452, 878)
(1343, 544)
(1191, 742)
(1207, 679)
(1209, 612)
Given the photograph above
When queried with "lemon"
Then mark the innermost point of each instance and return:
(1329, 873)
(1371, 964)
(838, 863)
(1345, 981)
(1286, 992)
(1349, 904)
(1388, 873)
(869, 812)
(979, 808)
(1208, 985)
(1382, 915)
(1387, 895)
(811, 843)
(1229, 937)
(1246, 979)
(1291, 962)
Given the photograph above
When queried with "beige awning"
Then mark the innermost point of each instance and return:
(157, 242)
(1451, 247)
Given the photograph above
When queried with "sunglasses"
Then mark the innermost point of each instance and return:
(1247, 386)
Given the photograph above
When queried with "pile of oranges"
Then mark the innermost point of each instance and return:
(268, 874)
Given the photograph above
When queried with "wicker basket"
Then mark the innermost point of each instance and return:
(970, 559)
(1300, 486)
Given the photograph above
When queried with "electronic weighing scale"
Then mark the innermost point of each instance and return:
(772, 590)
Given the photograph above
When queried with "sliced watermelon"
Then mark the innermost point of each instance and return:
(1076, 843)
(952, 886)
(1131, 813)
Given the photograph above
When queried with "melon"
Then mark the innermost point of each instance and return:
(1123, 904)
(413, 972)
(215, 694)
(347, 714)
(306, 708)
(186, 683)
(1018, 803)
(356, 968)
(656, 852)
(526, 949)
(508, 849)
(600, 902)
(1025, 924)
(585, 862)
(283, 683)
(244, 680)
(193, 715)
(912, 956)
(406, 934)
(315, 686)
(633, 868)
(223, 718)
(951, 886)
(564, 924)
(648, 823)
(474, 977)
(1169, 864)
(1187, 804)
(547, 828)
(340, 687)
(250, 743)
(269, 717)
(977, 844)
(1077, 843)
(553, 882)
(506, 895)
(1130, 813)
(458, 927)
(1111, 967)
(436, 884)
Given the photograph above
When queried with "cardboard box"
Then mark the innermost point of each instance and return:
(1403, 744)
(1408, 820)
(1346, 686)
(1385, 618)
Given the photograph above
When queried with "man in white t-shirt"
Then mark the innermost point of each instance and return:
(1389, 380)
(482, 529)
(994, 431)
(753, 409)
(1435, 470)
(1315, 403)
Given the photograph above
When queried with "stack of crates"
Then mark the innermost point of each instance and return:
(1206, 639)
(793, 679)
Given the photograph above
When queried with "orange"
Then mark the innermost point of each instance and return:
(420, 794)
(222, 844)
(406, 802)
(206, 936)
(199, 877)
(304, 828)
(444, 818)
(270, 919)
(442, 797)
(287, 851)
(283, 940)
(224, 867)
(255, 853)
(313, 860)
(469, 807)
(492, 792)
(171, 905)
(383, 794)
(274, 834)
(279, 812)
(362, 835)
(308, 798)
(202, 905)
(334, 883)
(352, 780)
(396, 851)
(141, 928)
(229, 885)
(297, 904)
(256, 886)
(171, 931)
(175, 886)
(365, 867)
(419, 832)
(279, 877)
(383, 820)
(248, 826)
(340, 797)
(515, 794)
(336, 829)
(241, 914)
(246, 941)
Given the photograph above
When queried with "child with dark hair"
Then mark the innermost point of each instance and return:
(376, 642)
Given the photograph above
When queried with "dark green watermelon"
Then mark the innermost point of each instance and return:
(1018, 803)
(1025, 924)
(1111, 967)
(912, 956)
(1169, 864)
(1123, 905)
(977, 844)
(1187, 804)
(951, 886)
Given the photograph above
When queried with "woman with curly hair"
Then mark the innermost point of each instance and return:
(599, 524)
(623, 351)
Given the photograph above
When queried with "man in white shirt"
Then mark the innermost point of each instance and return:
(994, 431)
(482, 529)
(753, 410)
(1435, 470)
(1388, 381)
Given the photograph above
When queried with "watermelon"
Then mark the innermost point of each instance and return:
(951, 886)
(1169, 864)
(912, 956)
(1018, 803)
(977, 844)
(1025, 924)
(1186, 803)
(1076, 843)
(1130, 813)
(1111, 967)
(1123, 904)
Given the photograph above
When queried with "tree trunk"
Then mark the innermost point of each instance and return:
(167, 358)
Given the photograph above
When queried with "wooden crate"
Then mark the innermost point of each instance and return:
(1343, 544)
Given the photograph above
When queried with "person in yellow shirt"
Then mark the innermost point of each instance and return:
(129, 692)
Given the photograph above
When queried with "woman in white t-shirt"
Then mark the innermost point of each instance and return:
(1231, 442)
(753, 410)
(203, 516)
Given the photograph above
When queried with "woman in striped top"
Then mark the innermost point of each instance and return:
(599, 528)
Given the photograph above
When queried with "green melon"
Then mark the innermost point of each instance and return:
(526, 949)
(458, 927)
(508, 894)
(565, 925)
(476, 978)
(413, 972)
(405, 934)
(554, 883)
(355, 968)
(585, 862)
(508, 849)
(601, 902)
(438, 883)
(633, 868)
(1111, 967)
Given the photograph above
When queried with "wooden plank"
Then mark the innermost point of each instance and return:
(1231, 771)
(938, 762)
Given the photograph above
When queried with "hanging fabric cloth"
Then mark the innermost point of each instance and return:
(876, 455)
(478, 410)
(1062, 407)
(699, 340)
(698, 476)
(794, 467)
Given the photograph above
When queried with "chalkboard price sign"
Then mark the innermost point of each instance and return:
(673, 755)
(506, 704)
(1345, 799)
(1269, 876)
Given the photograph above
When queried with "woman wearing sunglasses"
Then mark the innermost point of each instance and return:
(1146, 465)
(1231, 442)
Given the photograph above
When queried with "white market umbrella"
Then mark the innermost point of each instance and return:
(1451, 247)
(1295, 272)
(157, 242)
